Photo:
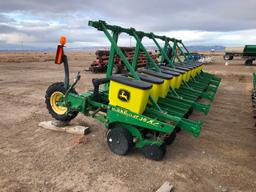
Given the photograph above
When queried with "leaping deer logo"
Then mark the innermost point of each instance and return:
(124, 95)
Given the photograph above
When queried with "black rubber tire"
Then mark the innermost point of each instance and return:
(177, 129)
(248, 62)
(226, 57)
(154, 152)
(120, 140)
(170, 138)
(190, 111)
(59, 86)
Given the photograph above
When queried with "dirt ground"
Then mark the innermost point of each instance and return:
(223, 158)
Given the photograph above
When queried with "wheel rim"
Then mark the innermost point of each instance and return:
(55, 98)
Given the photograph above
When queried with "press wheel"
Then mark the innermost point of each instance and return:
(154, 152)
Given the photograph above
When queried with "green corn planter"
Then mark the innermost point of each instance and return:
(145, 108)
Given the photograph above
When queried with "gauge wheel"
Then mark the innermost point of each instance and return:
(154, 152)
(54, 94)
(120, 140)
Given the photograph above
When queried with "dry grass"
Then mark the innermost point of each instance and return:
(25, 57)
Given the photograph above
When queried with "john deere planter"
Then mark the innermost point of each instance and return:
(144, 108)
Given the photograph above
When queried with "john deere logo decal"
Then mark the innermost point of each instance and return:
(124, 95)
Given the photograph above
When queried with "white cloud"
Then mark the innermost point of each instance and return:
(17, 38)
(215, 38)
(40, 23)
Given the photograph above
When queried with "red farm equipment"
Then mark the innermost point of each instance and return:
(102, 59)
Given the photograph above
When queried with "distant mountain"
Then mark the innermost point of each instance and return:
(195, 48)
(205, 48)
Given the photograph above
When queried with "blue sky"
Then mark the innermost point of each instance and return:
(38, 24)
